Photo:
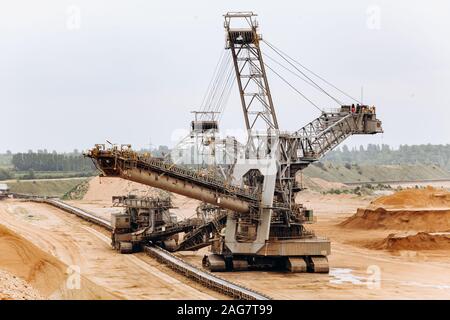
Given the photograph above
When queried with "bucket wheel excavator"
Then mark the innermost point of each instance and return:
(260, 225)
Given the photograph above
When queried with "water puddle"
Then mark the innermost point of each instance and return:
(343, 275)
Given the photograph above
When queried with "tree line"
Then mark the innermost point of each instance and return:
(45, 161)
(385, 155)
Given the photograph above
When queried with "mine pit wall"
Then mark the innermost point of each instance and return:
(186, 189)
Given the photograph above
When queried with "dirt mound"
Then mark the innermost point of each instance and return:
(43, 271)
(418, 241)
(412, 209)
(14, 288)
(23, 259)
(415, 198)
(432, 220)
(104, 188)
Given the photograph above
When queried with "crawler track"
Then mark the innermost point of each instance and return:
(205, 278)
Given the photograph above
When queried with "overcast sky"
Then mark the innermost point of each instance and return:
(131, 71)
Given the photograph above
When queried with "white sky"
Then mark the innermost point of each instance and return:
(134, 70)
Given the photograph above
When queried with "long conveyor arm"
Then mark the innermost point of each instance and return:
(127, 164)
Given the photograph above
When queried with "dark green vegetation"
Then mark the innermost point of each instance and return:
(78, 191)
(438, 155)
(44, 165)
(356, 173)
(44, 161)
(49, 188)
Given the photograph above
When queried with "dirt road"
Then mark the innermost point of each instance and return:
(46, 246)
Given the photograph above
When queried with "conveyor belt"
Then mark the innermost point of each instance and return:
(201, 276)
(205, 278)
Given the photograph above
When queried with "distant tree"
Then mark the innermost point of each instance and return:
(51, 162)
(428, 154)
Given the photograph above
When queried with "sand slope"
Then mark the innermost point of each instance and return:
(425, 211)
(418, 241)
(412, 209)
(104, 188)
(414, 198)
(430, 220)
(15, 288)
(44, 272)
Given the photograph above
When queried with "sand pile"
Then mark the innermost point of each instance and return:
(14, 288)
(425, 211)
(429, 220)
(418, 241)
(414, 198)
(25, 260)
(413, 209)
(48, 275)
(104, 188)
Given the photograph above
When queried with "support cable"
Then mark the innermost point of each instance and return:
(304, 74)
(300, 77)
(294, 88)
(280, 52)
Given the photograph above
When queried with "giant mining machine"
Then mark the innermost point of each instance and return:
(258, 223)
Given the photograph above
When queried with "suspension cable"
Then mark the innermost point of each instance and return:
(294, 88)
(217, 84)
(312, 84)
(281, 53)
(304, 74)
(218, 88)
(213, 78)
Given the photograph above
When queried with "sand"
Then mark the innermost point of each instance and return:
(318, 184)
(417, 241)
(421, 213)
(429, 220)
(15, 288)
(412, 209)
(428, 197)
(355, 268)
(51, 240)
(43, 271)
(404, 273)
(20, 257)
(102, 189)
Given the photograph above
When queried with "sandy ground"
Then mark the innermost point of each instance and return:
(356, 271)
(54, 245)
(15, 288)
